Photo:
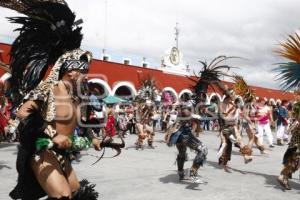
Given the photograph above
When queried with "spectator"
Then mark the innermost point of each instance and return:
(131, 123)
(282, 122)
(264, 118)
(110, 127)
(122, 123)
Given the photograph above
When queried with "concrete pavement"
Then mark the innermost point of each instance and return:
(151, 174)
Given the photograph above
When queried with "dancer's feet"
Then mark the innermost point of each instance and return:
(139, 147)
(279, 142)
(150, 144)
(195, 178)
(264, 152)
(186, 157)
(247, 159)
(284, 182)
(225, 168)
(181, 175)
(271, 146)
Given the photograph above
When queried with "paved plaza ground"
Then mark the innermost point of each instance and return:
(151, 174)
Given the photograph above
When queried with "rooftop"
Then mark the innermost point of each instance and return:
(114, 73)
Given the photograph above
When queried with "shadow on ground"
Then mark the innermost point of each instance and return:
(3, 165)
(6, 144)
(173, 178)
(270, 180)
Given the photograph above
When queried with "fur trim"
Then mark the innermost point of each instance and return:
(86, 191)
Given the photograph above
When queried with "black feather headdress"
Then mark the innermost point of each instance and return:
(22, 6)
(210, 75)
(48, 36)
(48, 31)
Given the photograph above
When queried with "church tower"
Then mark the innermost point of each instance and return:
(172, 61)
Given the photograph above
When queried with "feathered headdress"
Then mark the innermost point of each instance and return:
(47, 32)
(23, 6)
(242, 88)
(147, 89)
(209, 76)
(289, 72)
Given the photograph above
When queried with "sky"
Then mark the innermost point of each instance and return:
(208, 28)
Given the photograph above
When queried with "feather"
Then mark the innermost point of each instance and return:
(210, 75)
(29, 129)
(16, 5)
(147, 89)
(22, 6)
(48, 31)
(288, 75)
(242, 88)
(289, 72)
(86, 191)
(290, 49)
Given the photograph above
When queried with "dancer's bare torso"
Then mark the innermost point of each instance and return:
(229, 113)
(67, 112)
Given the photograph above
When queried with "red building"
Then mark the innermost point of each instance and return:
(123, 79)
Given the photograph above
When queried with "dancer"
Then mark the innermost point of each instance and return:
(182, 135)
(264, 118)
(144, 125)
(228, 112)
(249, 111)
(291, 158)
(49, 36)
(228, 120)
(145, 114)
(288, 75)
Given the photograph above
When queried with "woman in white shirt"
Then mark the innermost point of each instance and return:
(263, 119)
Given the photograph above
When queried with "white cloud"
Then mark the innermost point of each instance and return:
(208, 28)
